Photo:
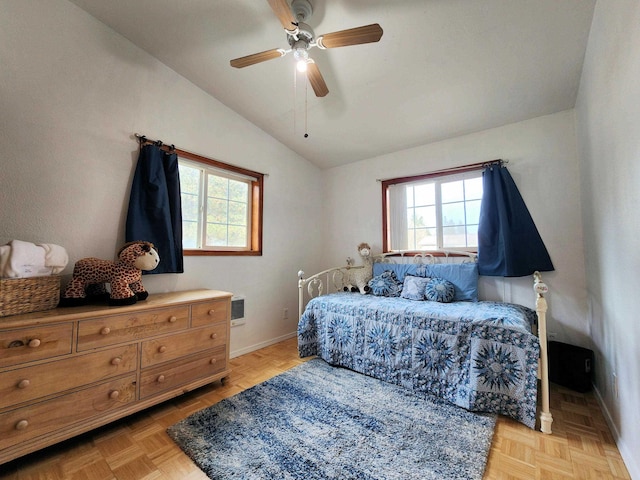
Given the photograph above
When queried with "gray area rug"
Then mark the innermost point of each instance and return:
(320, 422)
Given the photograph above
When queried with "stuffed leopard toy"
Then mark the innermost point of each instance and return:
(125, 276)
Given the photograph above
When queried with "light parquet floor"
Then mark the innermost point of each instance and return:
(137, 447)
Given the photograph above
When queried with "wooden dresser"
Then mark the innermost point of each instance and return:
(69, 370)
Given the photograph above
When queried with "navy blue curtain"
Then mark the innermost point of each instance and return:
(509, 244)
(155, 211)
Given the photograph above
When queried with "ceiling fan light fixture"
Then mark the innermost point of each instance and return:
(300, 53)
(301, 56)
(301, 66)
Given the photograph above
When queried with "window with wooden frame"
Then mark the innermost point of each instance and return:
(221, 207)
(435, 211)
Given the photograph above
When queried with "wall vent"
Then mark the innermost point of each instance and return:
(237, 310)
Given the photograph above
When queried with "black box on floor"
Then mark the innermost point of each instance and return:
(571, 366)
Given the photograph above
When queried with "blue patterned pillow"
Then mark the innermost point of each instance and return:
(463, 276)
(439, 290)
(413, 288)
(385, 285)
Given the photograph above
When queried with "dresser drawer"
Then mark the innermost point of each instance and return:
(214, 311)
(34, 343)
(61, 412)
(31, 383)
(174, 346)
(170, 375)
(129, 327)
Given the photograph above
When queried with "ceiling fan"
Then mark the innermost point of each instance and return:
(301, 39)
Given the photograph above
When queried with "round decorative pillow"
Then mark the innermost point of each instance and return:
(385, 285)
(439, 290)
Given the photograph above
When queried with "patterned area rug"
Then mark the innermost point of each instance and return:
(320, 422)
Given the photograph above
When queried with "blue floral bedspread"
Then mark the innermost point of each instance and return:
(480, 356)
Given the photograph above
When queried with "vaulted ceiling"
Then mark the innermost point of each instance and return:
(442, 68)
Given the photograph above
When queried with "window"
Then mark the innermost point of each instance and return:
(432, 211)
(221, 207)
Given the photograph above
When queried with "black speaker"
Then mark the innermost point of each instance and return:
(571, 366)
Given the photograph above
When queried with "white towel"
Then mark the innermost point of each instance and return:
(55, 257)
(5, 251)
(25, 260)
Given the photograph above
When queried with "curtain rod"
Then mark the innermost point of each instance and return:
(461, 169)
(143, 140)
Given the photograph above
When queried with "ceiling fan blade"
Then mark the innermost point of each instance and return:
(283, 11)
(351, 36)
(316, 80)
(257, 58)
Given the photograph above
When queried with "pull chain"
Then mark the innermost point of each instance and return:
(306, 99)
(295, 99)
(295, 103)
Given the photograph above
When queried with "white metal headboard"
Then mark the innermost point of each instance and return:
(334, 279)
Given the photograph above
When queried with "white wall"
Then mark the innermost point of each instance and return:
(73, 93)
(608, 119)
(542, 161)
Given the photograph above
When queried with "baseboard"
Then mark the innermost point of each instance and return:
(258, 346)
(630, 459)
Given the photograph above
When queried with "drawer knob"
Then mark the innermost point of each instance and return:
(105, 331)
(34, 343)
(114, 394)
(214, 336)
(116, 361)
(22, 424)
(173, 319)
(212, 361)
(162, 348)
(211, 312)
(160, 378)
(24, 383)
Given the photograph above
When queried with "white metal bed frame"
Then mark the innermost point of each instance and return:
(334, 279)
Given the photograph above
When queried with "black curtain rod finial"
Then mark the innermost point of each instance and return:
(143, 140)
(495, 163)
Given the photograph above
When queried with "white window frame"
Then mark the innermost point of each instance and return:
(395, 226)
(254, 202)
(206, 173)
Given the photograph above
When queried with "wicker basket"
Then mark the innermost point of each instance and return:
(24, 295)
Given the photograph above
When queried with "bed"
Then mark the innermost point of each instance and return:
(480, 355)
